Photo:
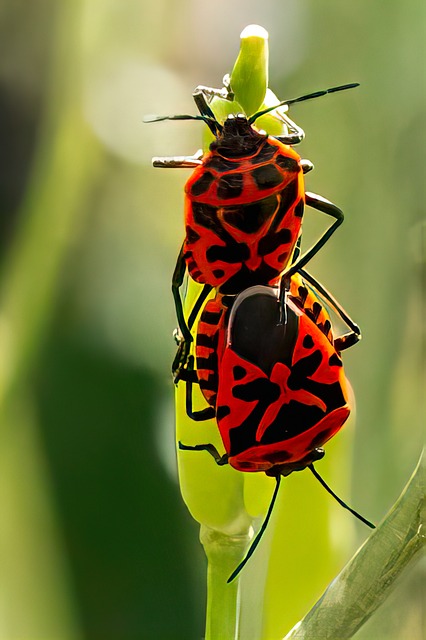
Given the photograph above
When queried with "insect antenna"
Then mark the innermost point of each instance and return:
(308, 96)
(343, 504)
(259, 534)
(214, 126)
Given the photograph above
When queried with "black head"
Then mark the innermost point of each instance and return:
(238, 138)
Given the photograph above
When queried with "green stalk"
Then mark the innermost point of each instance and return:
(223, 553)
(235, 610)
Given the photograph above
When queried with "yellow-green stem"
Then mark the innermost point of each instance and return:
(223, 554)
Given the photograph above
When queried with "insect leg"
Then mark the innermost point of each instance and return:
(284, 289)
(220, 460)
(177, 280)
(306, 165)
(348, 339)
(321, 204)
(179, 162)
(182, 353)
(204, 414)
(210, 92)
(198, 304)
(295, 135)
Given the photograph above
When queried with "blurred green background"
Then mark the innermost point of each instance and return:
(95, 541)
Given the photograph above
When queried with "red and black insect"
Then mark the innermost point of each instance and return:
(244, 207)
(281, 389)
(211, 328)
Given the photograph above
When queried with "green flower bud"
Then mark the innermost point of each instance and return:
(249, 77)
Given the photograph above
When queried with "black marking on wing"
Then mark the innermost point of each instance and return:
(203, 183)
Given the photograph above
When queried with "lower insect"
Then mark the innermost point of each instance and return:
(274, 381)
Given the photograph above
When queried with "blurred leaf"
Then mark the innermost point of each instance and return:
(34, 571)
(364, 583)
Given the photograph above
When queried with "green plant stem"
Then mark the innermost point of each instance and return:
(366, 580)
(235, 611)
(223, 555)
(252, 587)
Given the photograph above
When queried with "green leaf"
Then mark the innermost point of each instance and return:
(366, 580)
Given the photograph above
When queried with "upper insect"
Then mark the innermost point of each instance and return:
(244, 206)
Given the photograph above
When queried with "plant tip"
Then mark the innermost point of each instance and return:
(254, 31)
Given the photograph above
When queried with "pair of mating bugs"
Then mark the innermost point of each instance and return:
(266, 359)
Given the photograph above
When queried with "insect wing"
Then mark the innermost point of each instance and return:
(282, 389)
